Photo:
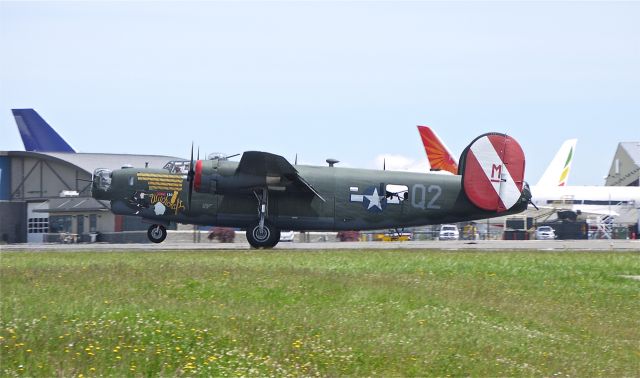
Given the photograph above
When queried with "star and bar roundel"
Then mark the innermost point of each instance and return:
(371, 199)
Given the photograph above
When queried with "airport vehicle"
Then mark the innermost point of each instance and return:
(263, 193)
(287, 236)
(470, 232)
(393, 235)
(36, 133)
(448, 232)
(545, 233)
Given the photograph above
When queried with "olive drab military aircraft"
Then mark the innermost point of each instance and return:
(263, 193)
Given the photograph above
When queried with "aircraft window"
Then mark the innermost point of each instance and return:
(177, 166)
(396, 193)
(131, 181)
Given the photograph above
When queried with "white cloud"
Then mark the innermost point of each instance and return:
(401, 163)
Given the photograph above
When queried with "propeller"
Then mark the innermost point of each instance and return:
(190, 177)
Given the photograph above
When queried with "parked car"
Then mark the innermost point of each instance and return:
(449, 232)
(545, 233)
(286, 236)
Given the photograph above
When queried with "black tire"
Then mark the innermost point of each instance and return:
(267, 238)
(157, 233)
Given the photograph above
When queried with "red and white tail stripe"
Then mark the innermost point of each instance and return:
(493, 172)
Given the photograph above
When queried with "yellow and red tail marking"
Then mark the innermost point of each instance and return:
(438, 154)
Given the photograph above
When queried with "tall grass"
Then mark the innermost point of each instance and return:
(328, 313)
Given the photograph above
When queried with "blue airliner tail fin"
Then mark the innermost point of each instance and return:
(36, 133)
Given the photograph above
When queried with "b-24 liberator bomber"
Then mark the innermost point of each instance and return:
(263, 193)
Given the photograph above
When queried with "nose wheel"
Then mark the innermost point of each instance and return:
(157, 233)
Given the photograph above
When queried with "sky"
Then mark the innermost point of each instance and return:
(343, 80)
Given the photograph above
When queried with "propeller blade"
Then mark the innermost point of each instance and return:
(191, 166)
(190, 194)
(190, 177)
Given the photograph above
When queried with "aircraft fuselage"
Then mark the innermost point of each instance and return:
(350, 199)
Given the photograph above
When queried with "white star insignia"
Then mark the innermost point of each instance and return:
(374, 199)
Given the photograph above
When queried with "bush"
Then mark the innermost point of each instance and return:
(222, 234)
(344, 236)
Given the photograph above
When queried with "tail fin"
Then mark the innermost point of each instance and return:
(492, 169)
(36, 133)
(557, 173)
(439, 156)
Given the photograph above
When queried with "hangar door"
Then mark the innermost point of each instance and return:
(37, 222)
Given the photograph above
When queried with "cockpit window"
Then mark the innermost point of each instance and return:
(102, 178)
(177, 166)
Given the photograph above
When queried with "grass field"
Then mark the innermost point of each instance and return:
(328, 313)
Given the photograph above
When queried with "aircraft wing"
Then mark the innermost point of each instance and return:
(274, 168)
(259, 163)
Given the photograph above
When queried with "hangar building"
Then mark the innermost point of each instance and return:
(46, 194)
(625, 168)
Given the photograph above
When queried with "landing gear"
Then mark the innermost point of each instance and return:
(157, 233)
(266, 236)
(263, 234)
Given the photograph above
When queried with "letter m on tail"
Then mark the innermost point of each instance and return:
(496, 173)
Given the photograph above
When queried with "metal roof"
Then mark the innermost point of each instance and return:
(74, 204)
(90, 161)
(633, 150)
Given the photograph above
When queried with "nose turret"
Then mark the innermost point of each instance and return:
(101, 183)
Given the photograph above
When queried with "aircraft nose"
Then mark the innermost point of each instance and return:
(101, 183)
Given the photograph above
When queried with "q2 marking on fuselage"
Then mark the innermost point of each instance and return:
(423, 197)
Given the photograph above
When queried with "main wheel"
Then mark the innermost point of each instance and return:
(268, 237)
(157, 233)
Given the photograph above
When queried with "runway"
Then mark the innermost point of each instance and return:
(460, 245)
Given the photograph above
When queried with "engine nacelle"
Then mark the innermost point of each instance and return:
(220, 177)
